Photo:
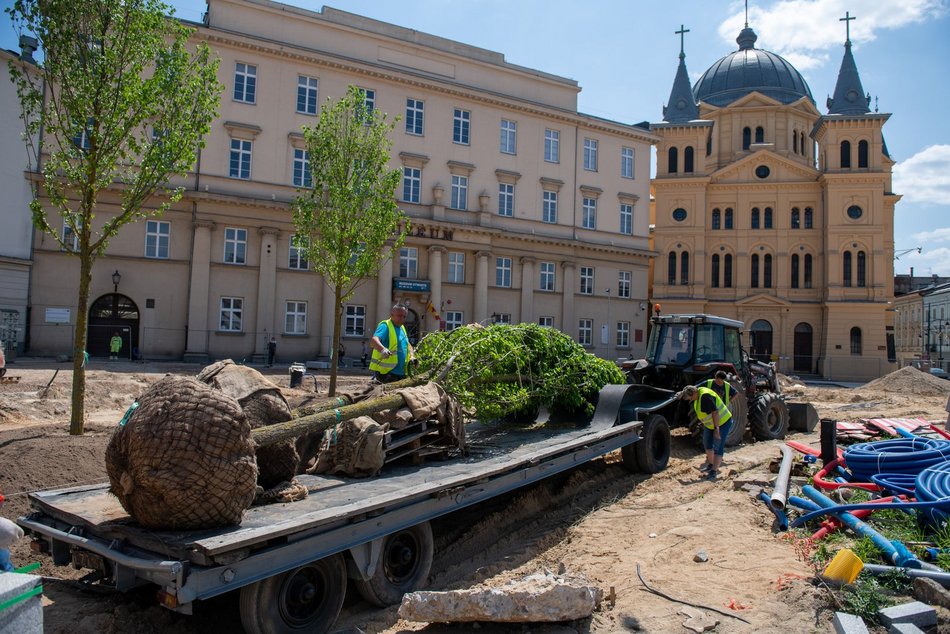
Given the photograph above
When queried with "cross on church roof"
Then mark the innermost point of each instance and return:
(682, 33)
(847, 24)
(746, 13)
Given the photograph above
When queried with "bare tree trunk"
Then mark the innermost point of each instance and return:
(78, 415)
(335, 344)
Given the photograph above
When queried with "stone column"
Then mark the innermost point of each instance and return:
(435, 281)
(266, 290)
(568, 325)
(196, 348)
(527, 289)
(481, 285)
(384, 293)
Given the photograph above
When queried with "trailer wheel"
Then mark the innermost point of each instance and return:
(769, 417)
(306, 599)
(651, 453)
(404, 565)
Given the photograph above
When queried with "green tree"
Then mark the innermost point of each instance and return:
(349, 223)
(118, 104)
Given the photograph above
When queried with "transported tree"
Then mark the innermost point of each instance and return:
(122, 104)
(348, 224)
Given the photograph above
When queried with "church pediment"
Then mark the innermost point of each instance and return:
(763, 167)
(763, 301)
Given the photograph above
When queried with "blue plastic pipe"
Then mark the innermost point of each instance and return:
(895, 551)
(779, 513)
(802, 503)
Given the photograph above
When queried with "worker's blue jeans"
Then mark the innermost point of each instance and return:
(709, 440)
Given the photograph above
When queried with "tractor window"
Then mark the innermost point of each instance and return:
(709, 343)
(673, 345)
(733, 348)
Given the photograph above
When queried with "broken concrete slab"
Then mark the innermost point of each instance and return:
(539, 598)
(697, 620)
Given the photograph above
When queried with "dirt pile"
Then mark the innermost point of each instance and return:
(907, 380)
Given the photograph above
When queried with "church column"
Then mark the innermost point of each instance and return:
(567, 300)
(527, 289)
(196, 348)
(481, 285)
(435, 283)
(266, 290)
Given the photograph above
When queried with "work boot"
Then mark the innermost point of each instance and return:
(711, 475)
(706, 467)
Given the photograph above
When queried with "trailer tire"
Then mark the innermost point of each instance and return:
(769, 417)
(404, 566)
(651, 453)
(305, 599)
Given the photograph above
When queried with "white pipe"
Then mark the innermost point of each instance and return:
(780, 493)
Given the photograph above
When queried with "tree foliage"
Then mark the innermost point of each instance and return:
(118, 103)
(348, 224)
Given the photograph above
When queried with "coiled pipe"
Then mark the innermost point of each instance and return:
(901, 455)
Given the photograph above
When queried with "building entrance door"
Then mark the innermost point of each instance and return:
(412, 326)
(760, 346)
(110, 315)
(802, 361)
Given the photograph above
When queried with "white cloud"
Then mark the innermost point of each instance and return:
(941, 234)
(925, 177)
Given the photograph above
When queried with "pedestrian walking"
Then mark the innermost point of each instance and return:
(271, 351)
(364, 356)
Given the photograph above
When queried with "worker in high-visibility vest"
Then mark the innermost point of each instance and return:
(391, 347)
(716, 420)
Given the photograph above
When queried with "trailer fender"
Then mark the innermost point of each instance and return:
(364, 559)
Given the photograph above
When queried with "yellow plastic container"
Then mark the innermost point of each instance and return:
(844, 567)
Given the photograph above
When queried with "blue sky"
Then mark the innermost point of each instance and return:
(624, 53)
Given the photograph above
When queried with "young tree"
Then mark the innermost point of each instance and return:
(121, 104)
(349, 223)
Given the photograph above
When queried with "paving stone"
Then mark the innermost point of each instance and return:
(849, 624)
(931, 592)
(904, 628)
(24, 616)
(920, 614)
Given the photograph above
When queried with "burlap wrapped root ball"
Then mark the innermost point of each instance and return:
(184, 458)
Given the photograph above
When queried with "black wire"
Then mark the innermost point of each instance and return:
(695, 605)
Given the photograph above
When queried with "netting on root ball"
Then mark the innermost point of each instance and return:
(184, 458)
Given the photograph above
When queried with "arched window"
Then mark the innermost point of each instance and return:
(673, 160)
(846, 268)
(862, 269)
(709, 145)
(671, 269)
(856, 340)
(845, 154)
(809, 218)
(728, 223)
(768, 218)
(746, 137)
(795, 141)
(688, 159)
(794, 270)
(807, 271)
(714, 271)
(759, 135)
(727, 271)
(767, 271)
(802, 135)
(796, 218)
(716, 218)
(684, 268)
(862, 153)
(754, 271)
(755, 217)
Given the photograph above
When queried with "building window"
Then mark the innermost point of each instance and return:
(716, 220)
(759, 134)
(547, 322)
(845, 154)
(768, 218)
(767, 271)
(746, 137)
(81, 139)
(727, 271)
(461, 126)
(354, 320)
(235, 245)
(232, 310)
(503, 272)
(809, 218)
(547, 276)
(688, 159)
(409, 262)
(684, 268)
(456, 267)
(297, 257)
(862, 153)
(795, 261)
(626, 162)
(454, 319)
(415, 116)
(755, 218)
(157, 233)
(672, 160)
(807, 271)
(714, 273)
(549, 206)
(855, 212)
(459, 192)
(295, 318)
(623, 334)
(795, 141)
(307, 94)
(585, 332)
(240, 166)
(552, 145)
(846, 268)
(589, 216)
(862, 270)
(590, 155)
(623, 284)
(680, 214)
(728, 222)
(70, 237)
(856, 341)
(626, 218)
(671, 268)
(502, 318)
(369, 100)
(506, 199)
(302, 175)
(509, 137)
(587, 280)
(411, 184)
(796, 220)
(754, 271)
(245, 82)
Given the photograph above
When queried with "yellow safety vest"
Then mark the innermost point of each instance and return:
(706, 419)
(728, 389)
(378, 362)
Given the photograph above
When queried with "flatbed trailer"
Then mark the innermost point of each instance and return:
(291, 561)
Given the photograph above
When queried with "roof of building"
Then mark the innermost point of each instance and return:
(849, 93)
(747, 70)
(682, 106)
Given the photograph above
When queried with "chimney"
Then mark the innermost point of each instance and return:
(27, 47)
(912, 274)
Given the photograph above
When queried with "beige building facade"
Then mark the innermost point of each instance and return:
(522, 209)
(770, 212)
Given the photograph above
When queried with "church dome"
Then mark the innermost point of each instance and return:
(748, 70)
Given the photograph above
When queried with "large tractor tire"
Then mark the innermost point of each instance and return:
(740, 418)
(651, 453)
(769, 417)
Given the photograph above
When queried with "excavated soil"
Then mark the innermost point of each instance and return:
(599, 520)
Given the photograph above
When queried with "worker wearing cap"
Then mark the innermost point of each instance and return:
(716, 421)
(391, 347)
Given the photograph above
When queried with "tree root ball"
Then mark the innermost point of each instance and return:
(184, 459)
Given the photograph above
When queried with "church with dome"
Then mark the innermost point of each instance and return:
(773, 212)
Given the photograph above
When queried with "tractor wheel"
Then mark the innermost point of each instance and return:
(651, 453)
(740, 418)
(769, 417)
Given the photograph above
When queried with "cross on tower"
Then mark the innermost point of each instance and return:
(746, 13)
(847, 24)
(682, 33)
